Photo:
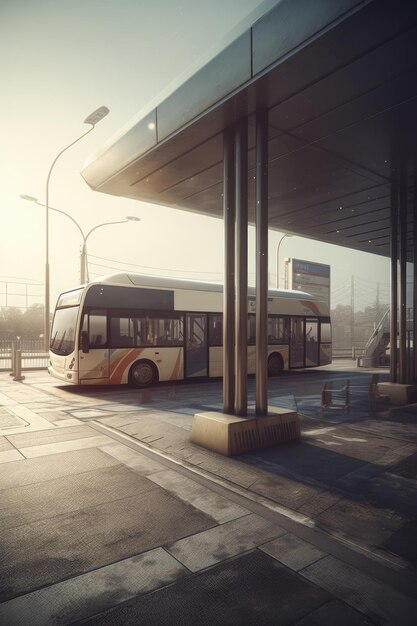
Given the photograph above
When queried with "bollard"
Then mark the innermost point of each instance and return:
(13, 358)
(18, 366)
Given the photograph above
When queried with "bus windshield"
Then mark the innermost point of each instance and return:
(63, 331)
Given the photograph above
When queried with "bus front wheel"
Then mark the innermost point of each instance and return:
(275, 364)
(143, 374)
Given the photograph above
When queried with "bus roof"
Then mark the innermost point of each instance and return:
(137, 280)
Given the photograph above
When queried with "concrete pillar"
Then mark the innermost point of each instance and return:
(241, 268)
(414, 372)
(229, 275)
(402, 255)
(394, 281)
(261, 262)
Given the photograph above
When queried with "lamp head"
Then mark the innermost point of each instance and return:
(132, 218)
(96, 116)
(30, 198)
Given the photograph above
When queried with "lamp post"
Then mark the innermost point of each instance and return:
(92, 119)
(279, 244)
(83, 261)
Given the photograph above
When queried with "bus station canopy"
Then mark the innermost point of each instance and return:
(339, 81)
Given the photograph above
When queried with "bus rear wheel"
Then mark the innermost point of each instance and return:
(143, 374)
(275, 365)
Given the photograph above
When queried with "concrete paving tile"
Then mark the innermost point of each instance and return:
(51, 550)
(332, 613)
(404, 432)
(9, 420)
(390, 491)
(360, 522)
(53, 416)
(403, 543)
(309, 462)
(40, 406)
(119, 421)
(202, 498)
(231, 469)
(135, 460)
(318, 503)
(53, 435)
(7, 456)
(94, 592)
(250, 590)
(27, 421)
(375, 599)
(66, 421)
(407, 466)
(5, 399)
(69, 493)
(41, 469)
(65, 446)
(367, 447)
(22, 411)
(288, 492)
(5, 444)
(90, 413)
(126, 407)
(138, 428)
(292, 551)
(224, 541)
(176, 419)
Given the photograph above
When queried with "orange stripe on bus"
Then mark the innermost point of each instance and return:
(115, 361)
(311, 305)
(117, 374)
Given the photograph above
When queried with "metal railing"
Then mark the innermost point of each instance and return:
(347, 353)
(32, 355)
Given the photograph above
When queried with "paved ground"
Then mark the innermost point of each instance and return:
(111, 516)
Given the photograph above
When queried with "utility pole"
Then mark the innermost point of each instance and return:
(377, 306)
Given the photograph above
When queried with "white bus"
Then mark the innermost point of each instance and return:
(128, 328)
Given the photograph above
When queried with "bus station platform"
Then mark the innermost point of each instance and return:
(110, 515)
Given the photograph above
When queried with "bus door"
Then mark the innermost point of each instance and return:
(94, 358)
(196, 345)
(297, 342)
(312, 342)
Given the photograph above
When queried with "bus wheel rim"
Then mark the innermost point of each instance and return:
(143, 374)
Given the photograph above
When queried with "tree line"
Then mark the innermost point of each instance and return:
(26, 324)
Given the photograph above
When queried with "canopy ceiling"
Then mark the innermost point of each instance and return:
(339, 78)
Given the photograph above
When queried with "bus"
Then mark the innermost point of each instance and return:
(136, 329)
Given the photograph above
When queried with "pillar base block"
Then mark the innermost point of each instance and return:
(231, 435)
(399, 394)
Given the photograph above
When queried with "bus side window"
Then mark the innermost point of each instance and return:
(121, 332)
(325, 332)
(215, 329)
(170, 332)
(277, 330)
(97, 329)
(251, 329)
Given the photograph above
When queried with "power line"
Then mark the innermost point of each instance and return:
(148, 267)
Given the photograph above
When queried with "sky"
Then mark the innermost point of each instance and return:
(59, 61)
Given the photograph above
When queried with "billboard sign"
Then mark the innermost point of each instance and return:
(314, 278)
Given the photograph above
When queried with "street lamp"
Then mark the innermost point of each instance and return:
(279, 243)
(84, 263)
(93, 119)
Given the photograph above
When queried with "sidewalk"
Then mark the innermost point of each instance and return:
(110, 516)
